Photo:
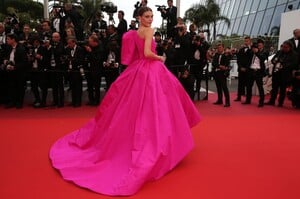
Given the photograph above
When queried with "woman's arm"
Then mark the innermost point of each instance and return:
(148, 42)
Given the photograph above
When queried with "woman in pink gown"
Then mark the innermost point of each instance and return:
(141, 130)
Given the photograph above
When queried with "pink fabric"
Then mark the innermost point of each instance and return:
(140, 132)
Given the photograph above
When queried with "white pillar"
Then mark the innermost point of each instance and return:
(178, 7)
(46, 9)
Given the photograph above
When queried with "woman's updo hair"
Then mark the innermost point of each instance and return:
(143, 9)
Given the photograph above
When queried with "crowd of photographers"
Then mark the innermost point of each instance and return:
(59, 55)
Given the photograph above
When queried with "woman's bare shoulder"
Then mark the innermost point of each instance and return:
(146, 32)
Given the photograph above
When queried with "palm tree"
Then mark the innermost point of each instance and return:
(207, 14)
(87, 8)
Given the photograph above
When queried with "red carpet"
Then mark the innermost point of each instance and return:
(241, 152)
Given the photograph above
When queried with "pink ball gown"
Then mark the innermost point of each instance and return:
(140, 132)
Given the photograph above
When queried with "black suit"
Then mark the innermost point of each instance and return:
(38, 75)
(284, 64)
(221, 75)
(56, 69)
(171, 16)
(98, 25)
(122, 27)
(95, 60)
(257, 76)
(16, 78)
(75, 62)
(295, 48)
(244, 57)
(198, 63)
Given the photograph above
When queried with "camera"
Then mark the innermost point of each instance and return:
(137, 5)
(160, 7)
(108, 7)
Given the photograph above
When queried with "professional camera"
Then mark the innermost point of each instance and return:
(108, 7)
(137, 5)
(161, 7)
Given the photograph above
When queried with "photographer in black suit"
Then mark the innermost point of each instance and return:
(198, 61)
(171, 15)
(75, 63)
(257, 72)
(98, 24)
(37, 72)
(285, 62)
(15, 65)
(122, 26)
(244, 57)
(56, 68)
(220, 64)
(95, 58)
(295, 41)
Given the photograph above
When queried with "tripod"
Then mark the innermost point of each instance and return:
(111, 20)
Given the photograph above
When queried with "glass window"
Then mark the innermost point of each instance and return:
(228, 30)
(277, 17)
(248, 7)
(241, 8)
(263, 4)
(265, 25)
(242, 25)
(249, 24)
(257, 23)
(226, 8)
(235, 10)
(254, 6)
(281, 2)
(230, 10)
(272, 3)
(236, 26)
(220, 30)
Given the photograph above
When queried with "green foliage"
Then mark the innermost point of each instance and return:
(207, 14)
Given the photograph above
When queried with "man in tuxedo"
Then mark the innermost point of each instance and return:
(3, 74)
(244, 57)
(37, 72)
(256, 72)
(198, 61)
(95, 58)
(296, 41)
(220, 64)
(98, 24)
(75, 64)
(46, 33)
(54, 62)
(122, 26)
(171, 15)
(285, 62)
(182, 43)
(15, 65)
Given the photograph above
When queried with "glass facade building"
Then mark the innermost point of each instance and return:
(253, 17)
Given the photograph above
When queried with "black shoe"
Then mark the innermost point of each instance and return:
(37, 105)
(237, 99)
(227, 105)
(218, 103)
(260, 105)
(246, 102)
(205, 98)
(280, 105)
(270, 103)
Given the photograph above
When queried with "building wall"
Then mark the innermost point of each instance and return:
(254, 17)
